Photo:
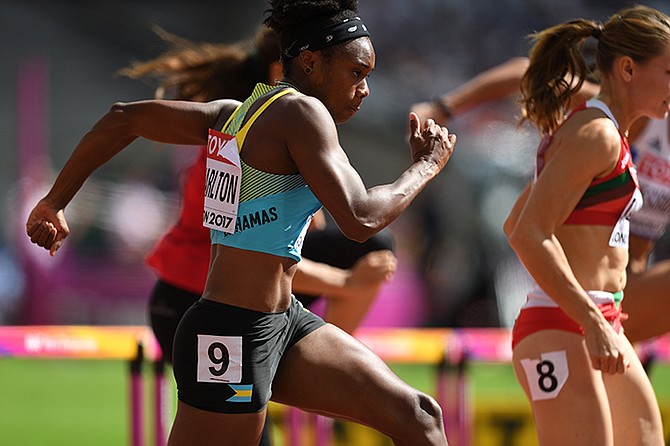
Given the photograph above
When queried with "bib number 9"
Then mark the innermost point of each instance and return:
(219, 359)
(218, 355)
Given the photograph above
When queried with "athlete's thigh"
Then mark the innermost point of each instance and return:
(331, 372)
(566, 394)
(635, 414)
(647, 302)
(196, 427)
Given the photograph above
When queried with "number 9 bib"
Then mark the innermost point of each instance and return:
(219, 359)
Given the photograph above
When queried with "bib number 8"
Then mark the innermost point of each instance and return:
(547, 381)
(547, 375)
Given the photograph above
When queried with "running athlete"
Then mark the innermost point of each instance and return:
(205, 72)
(580, 373)
(648, 286)
(283, 143)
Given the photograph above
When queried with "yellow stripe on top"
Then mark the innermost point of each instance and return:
(233, 123)
(274, 209)
(242, 133)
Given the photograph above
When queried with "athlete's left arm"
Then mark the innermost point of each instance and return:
(369, 271)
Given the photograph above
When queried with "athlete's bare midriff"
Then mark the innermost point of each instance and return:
(596, 265)
(249, 279)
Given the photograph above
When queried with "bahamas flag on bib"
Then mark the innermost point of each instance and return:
(243, 393)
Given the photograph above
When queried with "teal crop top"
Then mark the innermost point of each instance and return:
(274, 210)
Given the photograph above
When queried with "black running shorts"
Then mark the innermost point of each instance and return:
(225, 357)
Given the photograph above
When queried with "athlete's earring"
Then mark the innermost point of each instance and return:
(308, 70)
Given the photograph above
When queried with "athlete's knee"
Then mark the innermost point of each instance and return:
(429, 406)
(430, 411)
(422, 417)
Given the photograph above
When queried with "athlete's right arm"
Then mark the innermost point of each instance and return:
(173, 122)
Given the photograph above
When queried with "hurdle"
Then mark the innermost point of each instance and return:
(494, 345)
(445, 349)
(426, 346)
(133, 344)
(448, 350)
(467, 345)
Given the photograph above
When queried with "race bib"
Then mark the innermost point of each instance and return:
(222, 182)
(546, 376)
(219, 359)
(619, 236)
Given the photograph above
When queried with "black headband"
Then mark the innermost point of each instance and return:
(319, 38)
